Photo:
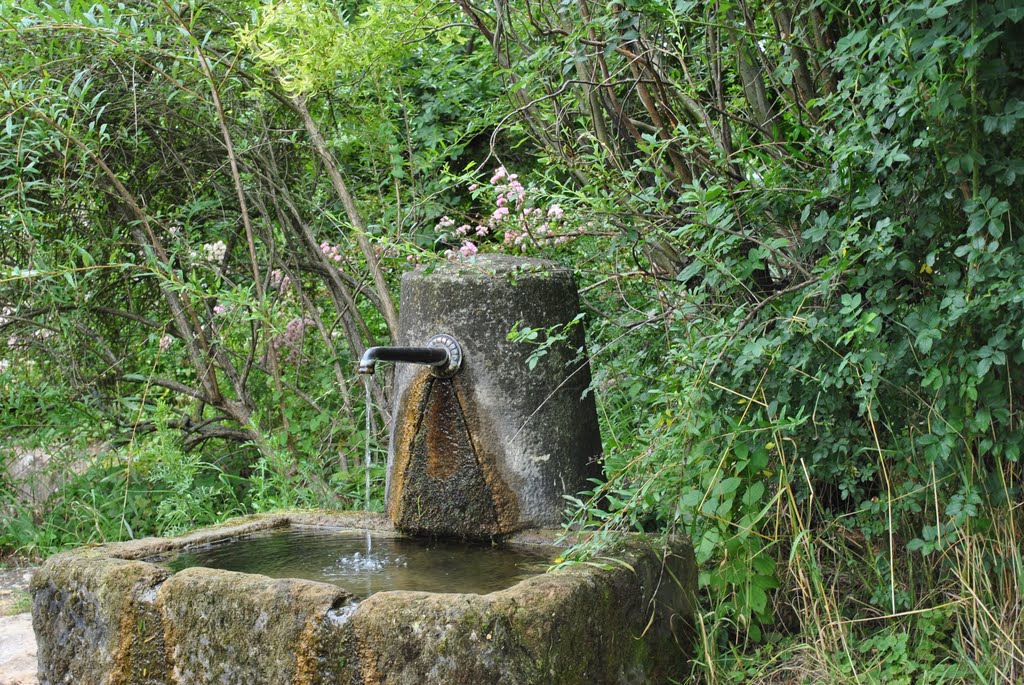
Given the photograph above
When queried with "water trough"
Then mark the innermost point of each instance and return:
(106, 615)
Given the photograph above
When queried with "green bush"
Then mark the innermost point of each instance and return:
(794, 224)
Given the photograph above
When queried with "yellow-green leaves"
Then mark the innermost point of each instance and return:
(310, 46)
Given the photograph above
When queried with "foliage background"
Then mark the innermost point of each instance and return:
(793, 223)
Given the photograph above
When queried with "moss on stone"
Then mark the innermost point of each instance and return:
(229, 627)
(90, 605)
(589, 625)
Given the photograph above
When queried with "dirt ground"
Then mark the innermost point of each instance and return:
(17, 641)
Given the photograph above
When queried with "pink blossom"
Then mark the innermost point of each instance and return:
(468, 249)
(499, 174)
(555, 212)
(482, 230)
(294, 331)
(473, 187)
(463, 229)
(292, 337)
(165, 343)
(280, 281)
(516, 190)
(219, 310)
(331, 251)
(500, 213)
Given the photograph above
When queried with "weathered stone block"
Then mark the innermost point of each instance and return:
(495, 448)
(96, 622)
(224, 627)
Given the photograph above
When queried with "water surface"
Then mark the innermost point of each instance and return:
(363, 563)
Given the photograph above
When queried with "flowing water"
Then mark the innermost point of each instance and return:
(367, 461)
(349, 560)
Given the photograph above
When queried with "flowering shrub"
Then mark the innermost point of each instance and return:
(215, 252)
(518, 217)
(292, 338)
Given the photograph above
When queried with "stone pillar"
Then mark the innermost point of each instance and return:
(493, 449)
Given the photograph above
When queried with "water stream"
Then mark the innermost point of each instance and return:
(368, 461)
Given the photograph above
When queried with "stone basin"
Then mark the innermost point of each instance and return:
(105, 615)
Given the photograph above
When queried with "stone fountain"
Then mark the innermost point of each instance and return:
(493, 448)
(482, 449)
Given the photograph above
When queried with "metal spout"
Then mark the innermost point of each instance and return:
(442, 353)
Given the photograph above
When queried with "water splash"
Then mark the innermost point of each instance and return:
(341, 615)
(357, 561)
